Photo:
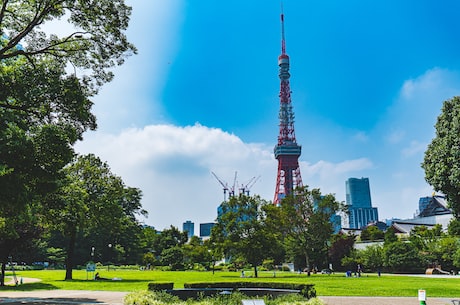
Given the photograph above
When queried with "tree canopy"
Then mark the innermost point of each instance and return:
(306, 221)
(243, 230)
(46, 82)
(92, 198)
(442, 157)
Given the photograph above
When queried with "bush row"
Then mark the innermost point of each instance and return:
(306, 290)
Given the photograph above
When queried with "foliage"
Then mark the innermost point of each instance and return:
(44, 107)
(454, 227)
(341, 246)
(390, 236)
(143, 297)
(92, 198)
(196, 252)
(403, 257)
(307, 290)
(306, 222)
(173, 257)
(372, 258)
(371, 233)
(442, 157)
(96, 42)
(243, 230)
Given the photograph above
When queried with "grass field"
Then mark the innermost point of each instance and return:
(326, 285)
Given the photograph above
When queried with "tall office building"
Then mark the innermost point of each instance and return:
(189, 227)
(205, 229)
(358, 199)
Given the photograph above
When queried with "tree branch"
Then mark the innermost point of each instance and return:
(37, 20)
(2, 12)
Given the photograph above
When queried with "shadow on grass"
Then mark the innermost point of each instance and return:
(28, 287)
(266, 276)
(101, 282)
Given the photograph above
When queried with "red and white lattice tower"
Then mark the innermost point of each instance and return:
(287, 151)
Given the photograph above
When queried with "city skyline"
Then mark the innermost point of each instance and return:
(368, 81)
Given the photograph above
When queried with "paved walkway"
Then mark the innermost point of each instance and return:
(81, 297)
(383, 301)
(62, 297)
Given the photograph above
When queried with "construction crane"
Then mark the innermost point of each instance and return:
(224, 185)
(245, 188)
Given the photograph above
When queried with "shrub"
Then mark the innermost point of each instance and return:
(293, 299)
(306, 290)
(150, 298)
(160, 286)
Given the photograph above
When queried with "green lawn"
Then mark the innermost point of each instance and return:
(326, 285)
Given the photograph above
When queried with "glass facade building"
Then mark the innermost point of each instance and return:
(189, 227)
(358, 199)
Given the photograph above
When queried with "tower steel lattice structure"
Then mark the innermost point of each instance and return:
(287, 151)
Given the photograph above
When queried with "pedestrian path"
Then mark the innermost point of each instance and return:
(84, 297)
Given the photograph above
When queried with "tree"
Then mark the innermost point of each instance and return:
(372, 257)
(341, 246)
(196, 252)
(371, 233)
(242, 230)
(442, 157)
(16, 234)
(44, 105)
(173, 257)
(169, 238)
(390, 236)
(91, 199)
(307, 224)
(402, 257)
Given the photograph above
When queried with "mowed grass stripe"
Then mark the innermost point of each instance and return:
(326, 285)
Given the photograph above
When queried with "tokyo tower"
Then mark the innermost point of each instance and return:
(287, 151)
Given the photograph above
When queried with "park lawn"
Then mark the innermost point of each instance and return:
(325, 285)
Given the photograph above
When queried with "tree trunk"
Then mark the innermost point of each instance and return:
(307, 261)
(2, 274)
(255, 270)
(70, 254)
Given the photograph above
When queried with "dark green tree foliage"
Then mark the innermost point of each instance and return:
(196, 252)
(442, 157)
(169, 238)
(341, 246)
(16, 235)
(390, 236)
(307, 225)
(402, 256)
(173, 257)
(44, 105)
(243, 230)
(92, 199)
(372, 233)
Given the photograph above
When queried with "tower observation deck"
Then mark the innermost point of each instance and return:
(287, 151)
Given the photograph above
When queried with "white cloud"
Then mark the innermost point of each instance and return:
(172, 166)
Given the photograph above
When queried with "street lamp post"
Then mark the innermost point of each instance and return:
(110, 251)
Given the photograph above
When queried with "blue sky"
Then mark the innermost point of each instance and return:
(368, 79)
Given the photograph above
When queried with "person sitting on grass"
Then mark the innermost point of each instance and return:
(97, 277)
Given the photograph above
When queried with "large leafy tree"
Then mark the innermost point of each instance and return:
(307, 224)
(442, 157)
(92, 199)
(244, 230)
(44, 103)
